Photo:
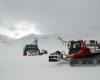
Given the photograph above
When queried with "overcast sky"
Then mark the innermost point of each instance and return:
(70, 18)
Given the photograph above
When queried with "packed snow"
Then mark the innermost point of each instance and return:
(15, 66)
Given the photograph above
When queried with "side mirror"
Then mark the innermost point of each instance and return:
(68, 45)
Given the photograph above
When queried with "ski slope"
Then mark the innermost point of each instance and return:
(14, 66)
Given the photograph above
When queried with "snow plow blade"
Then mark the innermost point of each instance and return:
(56, 56)
(53, 59)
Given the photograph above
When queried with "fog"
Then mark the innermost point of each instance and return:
(69, 18)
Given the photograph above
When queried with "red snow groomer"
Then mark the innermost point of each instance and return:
(79, 52)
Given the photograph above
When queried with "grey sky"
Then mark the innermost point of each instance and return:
(73, 18)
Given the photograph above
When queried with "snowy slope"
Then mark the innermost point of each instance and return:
(5, 40)
(14, 66)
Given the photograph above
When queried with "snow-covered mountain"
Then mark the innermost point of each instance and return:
(5, 40)
(44, 41)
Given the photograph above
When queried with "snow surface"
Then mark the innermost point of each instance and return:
(15, 66)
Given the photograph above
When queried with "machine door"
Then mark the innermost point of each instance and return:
(75, 47)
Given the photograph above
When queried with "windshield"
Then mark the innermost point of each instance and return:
(75, 46)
